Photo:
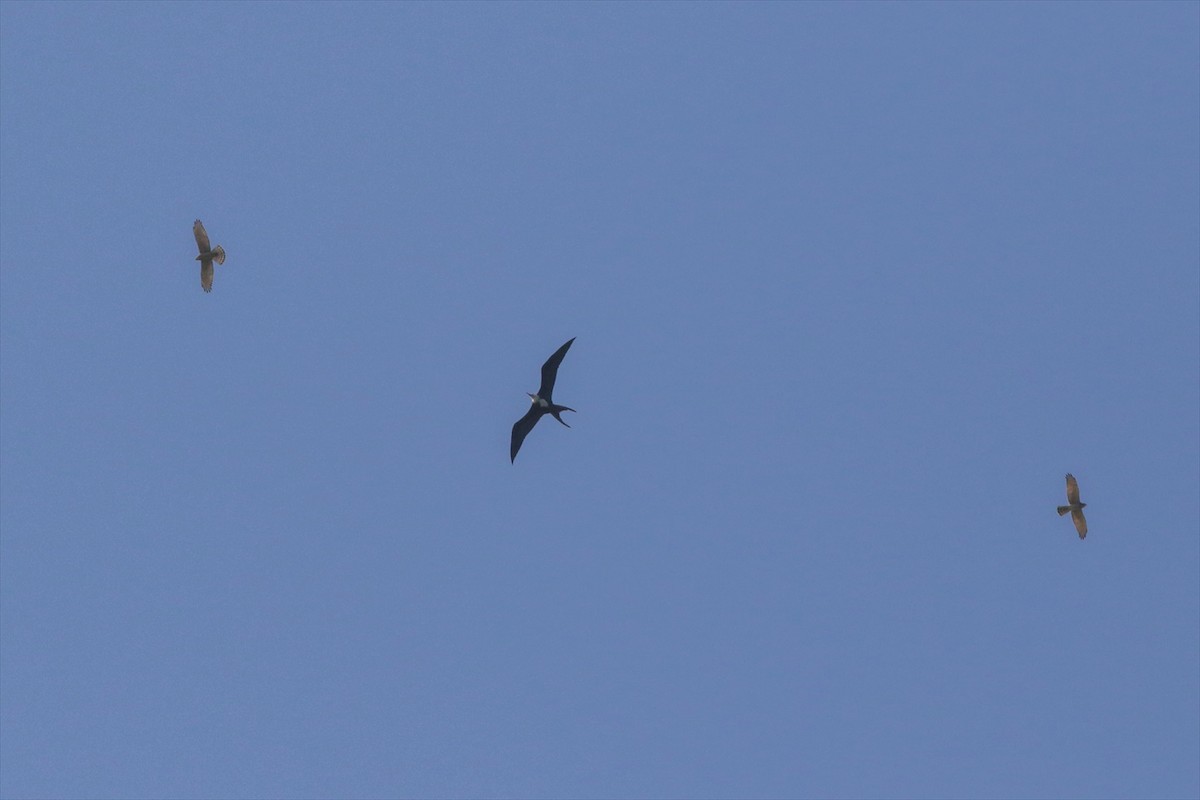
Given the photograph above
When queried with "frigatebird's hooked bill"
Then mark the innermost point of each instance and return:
(540, 403)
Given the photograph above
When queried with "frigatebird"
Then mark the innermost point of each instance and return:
(540, 403)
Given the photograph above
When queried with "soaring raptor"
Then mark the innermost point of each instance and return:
(207, 255)
(1074, 506)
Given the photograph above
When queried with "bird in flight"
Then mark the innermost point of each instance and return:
(540, 403)
(1074, 506)
(207, 255)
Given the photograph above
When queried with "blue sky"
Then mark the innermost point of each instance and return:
(853, 287)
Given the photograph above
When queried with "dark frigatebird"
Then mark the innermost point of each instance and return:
(540, 403)
(1075, 506)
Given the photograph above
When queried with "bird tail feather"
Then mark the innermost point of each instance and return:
(1063, 510)
(219, 254)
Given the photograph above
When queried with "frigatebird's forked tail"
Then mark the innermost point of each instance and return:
(554, 412)
(541, 403)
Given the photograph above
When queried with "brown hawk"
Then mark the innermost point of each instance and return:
(1074, 506)
(207, 255)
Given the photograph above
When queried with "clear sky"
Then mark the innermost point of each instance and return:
(854, 286)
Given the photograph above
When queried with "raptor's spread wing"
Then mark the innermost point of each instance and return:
(1080, 522)
(201, 236)
(206, 274)
(1072, 491)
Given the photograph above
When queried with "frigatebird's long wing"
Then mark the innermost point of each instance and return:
(1072, 491)
(550, 371)
(521, 429)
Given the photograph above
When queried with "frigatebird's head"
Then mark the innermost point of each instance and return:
(537, 401)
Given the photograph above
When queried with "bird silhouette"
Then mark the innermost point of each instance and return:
(1074, 506)
(207, 255)
(540, 404)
